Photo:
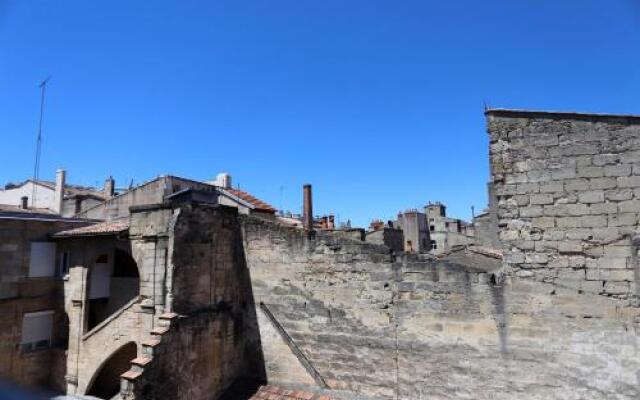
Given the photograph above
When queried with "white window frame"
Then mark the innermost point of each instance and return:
(30, 341)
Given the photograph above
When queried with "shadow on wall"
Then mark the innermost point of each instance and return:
(496, 284)
(244, 387)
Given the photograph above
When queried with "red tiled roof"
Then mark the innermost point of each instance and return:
(103, 228)
(275, 393)
(257, 203)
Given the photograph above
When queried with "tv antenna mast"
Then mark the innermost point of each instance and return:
(36, 167)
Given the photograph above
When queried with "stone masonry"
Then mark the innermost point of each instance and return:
(364, 323)
(568, 190)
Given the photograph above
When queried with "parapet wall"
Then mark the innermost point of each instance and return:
(568, 191)
(349, 317)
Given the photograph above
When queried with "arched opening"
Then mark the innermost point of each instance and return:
(106, 381)
(113, 281)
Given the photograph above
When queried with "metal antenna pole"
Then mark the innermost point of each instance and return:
(36, 167)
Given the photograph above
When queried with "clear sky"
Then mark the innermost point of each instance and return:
(378, 104)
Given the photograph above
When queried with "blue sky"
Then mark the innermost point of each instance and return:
(378, 104)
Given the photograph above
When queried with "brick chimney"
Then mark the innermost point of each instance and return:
(109, 187)
(307, 208)
(332, 222)
(58, 195)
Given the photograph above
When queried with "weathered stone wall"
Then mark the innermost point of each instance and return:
(363, 323)
(198, 358)
(568, 190)
(148, 243)
(390, 237)
(152, 192)
(20, 294)
(214, 341)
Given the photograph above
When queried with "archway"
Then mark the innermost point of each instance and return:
(106, 381)
(113, 281)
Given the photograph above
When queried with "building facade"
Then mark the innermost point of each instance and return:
(34, 331)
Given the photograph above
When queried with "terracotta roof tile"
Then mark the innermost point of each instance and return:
(276, 393)
(257, 203)
(103, 228)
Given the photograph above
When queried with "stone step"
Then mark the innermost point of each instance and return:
(149, 345)
(160, 330)
(138, 364)
(167, 319)
(131, 375)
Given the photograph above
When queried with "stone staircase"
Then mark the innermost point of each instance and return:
(150, 346)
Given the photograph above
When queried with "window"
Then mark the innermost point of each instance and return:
(432, 228)
(100, 278)
(434, 245)
(36, 330)
(63, 264)
(42, 261)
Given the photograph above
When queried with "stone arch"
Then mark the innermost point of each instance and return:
(105, 382)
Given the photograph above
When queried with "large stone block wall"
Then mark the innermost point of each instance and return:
(367, 325)
(20, 294)
(213, 343)
(198, 358)
(568, 198)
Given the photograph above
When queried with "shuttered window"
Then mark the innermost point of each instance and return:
(36, 330)
(42, 261)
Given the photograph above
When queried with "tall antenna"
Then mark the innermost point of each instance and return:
(36, 167)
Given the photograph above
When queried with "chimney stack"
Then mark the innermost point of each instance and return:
(58, 195)
(223, 180)
(109, 187)
(24, 202)
(307, 208)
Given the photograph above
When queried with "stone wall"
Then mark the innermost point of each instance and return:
(20, 294)
(345, 315)
(568, 191)
(212, 342)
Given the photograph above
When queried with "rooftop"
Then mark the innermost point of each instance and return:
(508, 112)
(275, 393)
(254, 201)
(103, 228)
(40, 214)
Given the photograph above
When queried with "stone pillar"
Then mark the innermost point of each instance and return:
(307, 208)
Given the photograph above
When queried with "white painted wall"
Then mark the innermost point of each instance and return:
(44, 196)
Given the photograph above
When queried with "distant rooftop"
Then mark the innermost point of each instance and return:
(507, 112)
(18, 213)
